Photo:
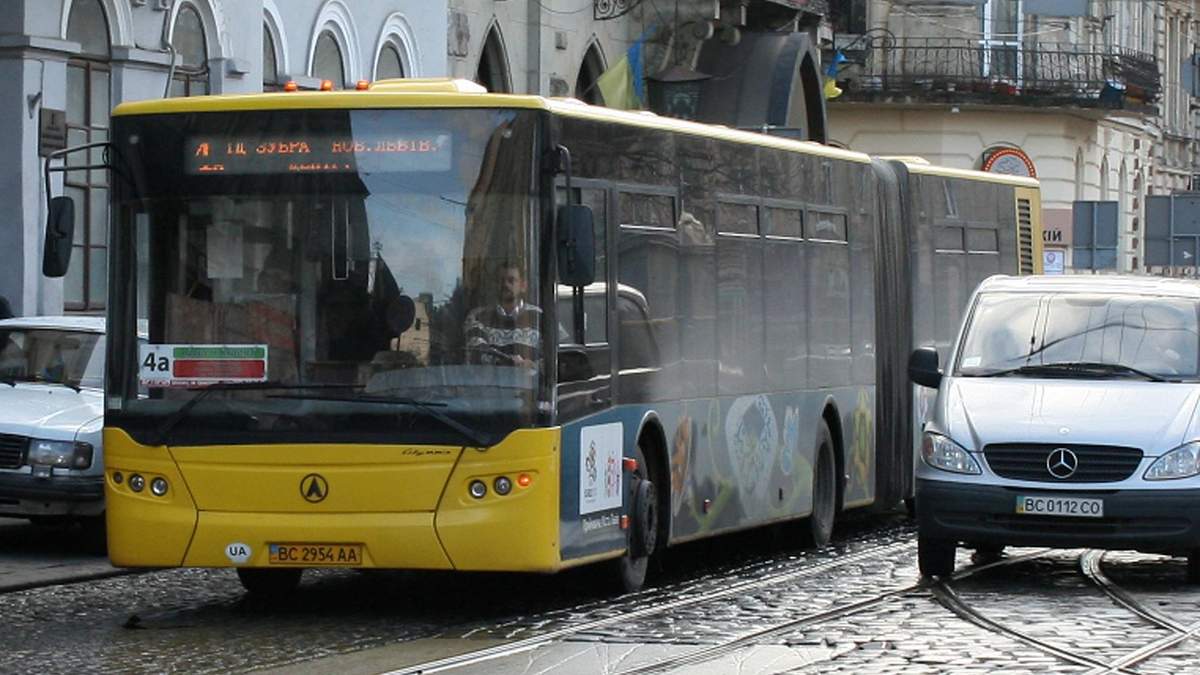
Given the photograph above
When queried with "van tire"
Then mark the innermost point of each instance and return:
(935, 557)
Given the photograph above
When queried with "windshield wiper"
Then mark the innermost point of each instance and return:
(1076, 367)
(160, 434)
(476, 438)
(40, 380)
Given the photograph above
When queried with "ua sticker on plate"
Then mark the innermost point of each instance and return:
(199, 365)
(238, 553)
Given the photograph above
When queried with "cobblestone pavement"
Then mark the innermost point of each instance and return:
(200, 621)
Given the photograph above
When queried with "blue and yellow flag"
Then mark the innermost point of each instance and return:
(623, 85)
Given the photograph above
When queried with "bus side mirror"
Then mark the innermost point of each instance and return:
(60, 234)
(923, 368)
(576, 248)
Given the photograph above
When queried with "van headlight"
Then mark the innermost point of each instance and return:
(1182, 462)
(65, 454)
(942, 453)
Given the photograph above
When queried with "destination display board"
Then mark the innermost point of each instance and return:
(251, 154)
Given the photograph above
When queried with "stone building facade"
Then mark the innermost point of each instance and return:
(1094, 105)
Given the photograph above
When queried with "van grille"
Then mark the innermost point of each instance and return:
(1025, 235)
(12, 451)
(1096, 463)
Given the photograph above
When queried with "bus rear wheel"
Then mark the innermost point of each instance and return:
(819, 529)
(269, 583)
(630, 569)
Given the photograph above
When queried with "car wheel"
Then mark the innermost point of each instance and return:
(269, 583)
(824, 491)
(95, 534)
(935, 557)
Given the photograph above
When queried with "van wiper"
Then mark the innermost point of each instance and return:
(430, 408)
(160, 434)
(1077, 368)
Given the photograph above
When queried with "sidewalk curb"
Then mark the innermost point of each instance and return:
(67, 580)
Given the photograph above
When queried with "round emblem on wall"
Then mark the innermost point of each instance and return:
(1011, 161)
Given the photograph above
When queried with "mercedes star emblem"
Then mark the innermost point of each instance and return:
(1062, 463)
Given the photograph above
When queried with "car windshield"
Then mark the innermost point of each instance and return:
(57, 356)
(1103, 334)
(358, 265)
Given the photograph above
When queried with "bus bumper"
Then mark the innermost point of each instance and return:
(517, 531)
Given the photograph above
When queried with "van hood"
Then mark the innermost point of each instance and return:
(1153, 416)
(47, 411)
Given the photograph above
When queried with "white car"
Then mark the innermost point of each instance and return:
(1068, 415)
(51, 418)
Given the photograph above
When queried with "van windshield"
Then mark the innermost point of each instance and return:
(1032, 334)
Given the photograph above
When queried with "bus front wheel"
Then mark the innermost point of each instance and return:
(643, 532)
(269, 583)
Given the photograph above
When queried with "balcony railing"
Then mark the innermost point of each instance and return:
(951, 70)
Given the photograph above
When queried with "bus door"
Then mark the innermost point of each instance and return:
(585, 367)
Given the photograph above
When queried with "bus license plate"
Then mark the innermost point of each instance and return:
(1078, 507)
(315, 555)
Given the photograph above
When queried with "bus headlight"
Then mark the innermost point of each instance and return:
(65, 454)
(1182, 462)
(942, 453)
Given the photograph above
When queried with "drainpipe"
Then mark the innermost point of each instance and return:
(533, 47)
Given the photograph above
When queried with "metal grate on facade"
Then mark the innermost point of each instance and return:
(1025, 235)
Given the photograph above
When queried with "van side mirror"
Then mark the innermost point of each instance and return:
(923, 368)
(60, 234)
(576, 248)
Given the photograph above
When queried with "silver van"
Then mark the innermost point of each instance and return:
(1067, 415)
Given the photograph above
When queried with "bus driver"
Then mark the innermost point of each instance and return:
(507, 333)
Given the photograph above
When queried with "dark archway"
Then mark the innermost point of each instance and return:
(589, 71)
(492, 72)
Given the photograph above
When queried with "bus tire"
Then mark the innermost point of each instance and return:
(269, 583)
(630, 569)
(819, 530)
(935, 557)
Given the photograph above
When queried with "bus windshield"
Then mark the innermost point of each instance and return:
(329, 275)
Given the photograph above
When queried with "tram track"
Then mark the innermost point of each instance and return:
(533, 642)
(1090, 567)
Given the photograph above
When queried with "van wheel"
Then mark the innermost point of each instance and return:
(824, 491)
(987, 553)
(269, 583)
(629, 571)
(935, 557)
(1193, 567)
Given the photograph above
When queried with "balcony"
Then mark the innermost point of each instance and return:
(885, 69)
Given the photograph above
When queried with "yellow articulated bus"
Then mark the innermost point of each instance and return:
(422, 326)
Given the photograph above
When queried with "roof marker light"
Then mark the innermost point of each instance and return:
(362, 85)
(291, 86)
(326, 85)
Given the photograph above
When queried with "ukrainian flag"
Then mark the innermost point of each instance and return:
(623, 85)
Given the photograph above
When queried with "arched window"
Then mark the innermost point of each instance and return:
(328, 63)
(391, 65)
(585, 85)
(493, 66)
(191, 51)
(89, 101)
(270, 64)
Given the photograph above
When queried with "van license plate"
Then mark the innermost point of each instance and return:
(1078, 507)
(315, 555)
